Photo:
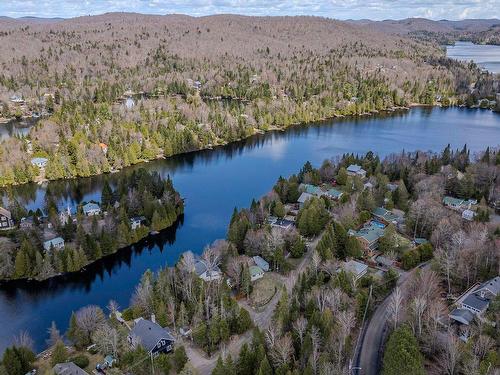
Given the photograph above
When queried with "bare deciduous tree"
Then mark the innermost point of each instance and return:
(300, 326)
(395, 307)
(90, 318)
(107, 340)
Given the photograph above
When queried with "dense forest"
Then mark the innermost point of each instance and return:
(119, 89)
(139, 203)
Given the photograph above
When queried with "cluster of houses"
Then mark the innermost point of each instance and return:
(475, 302)
(53, 242)
(208, 272)
(465, 206)
(308, 191)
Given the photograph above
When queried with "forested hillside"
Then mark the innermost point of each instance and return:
(271, 72)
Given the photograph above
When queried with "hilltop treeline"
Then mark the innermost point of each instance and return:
(204, 81)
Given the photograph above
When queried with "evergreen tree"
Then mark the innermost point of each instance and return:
(265, 367)
(59, 353)
(219, 368)
(246, 282)
(402, 354)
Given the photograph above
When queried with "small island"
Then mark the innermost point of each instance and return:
(43, 244)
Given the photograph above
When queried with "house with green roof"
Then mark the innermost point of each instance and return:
(368, 236)
(334, 194)
(256, 273)
(386, 216)
(311, 189)
(458, 203)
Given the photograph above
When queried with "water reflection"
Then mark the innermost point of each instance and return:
(213, 183)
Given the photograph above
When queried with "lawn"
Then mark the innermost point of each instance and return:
(263, 291)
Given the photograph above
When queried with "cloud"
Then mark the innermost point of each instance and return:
(341, 9)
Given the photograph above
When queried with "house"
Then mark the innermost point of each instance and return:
(256, 273)
(357, 269)
(68, 368)
(392, 186)
(104, 148)
(303, 198)
(282, 223)
(151, 336)
(462, 316)
(386, 216)
(27, 222)
(6, 221)
(136, 222)
(369, 236)
(261, 262)
(334, 194)
(16, 99)
(458, 204)
(468, 215)
(109, 360)
(356, 170)
(40, 162)
(129, 103)
(91, 209)
(203, 271)
(55, 243)
(368, 186)
(476, 302)
(311, 189)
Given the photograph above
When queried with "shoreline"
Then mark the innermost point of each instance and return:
(149, 235)
(257, 131)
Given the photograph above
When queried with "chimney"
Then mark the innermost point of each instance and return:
(153, 318)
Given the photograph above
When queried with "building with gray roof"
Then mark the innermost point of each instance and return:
(68, 368)
(151, 336)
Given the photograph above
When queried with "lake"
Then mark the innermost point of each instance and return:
(213, 182)
(486, 56)
(16, 128)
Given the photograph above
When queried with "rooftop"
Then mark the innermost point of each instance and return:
(354, 168)
(304, 197)
(150, 333)
(369, 232)
(463, 316)
(355, 267)
(255, 270)
(261, 262)
(476, 302)
(68, 368)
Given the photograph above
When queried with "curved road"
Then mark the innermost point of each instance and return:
(369, 358)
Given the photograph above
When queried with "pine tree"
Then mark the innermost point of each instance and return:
(219, 368)
(246, 282)
(402, 354)
(265, 367)
(59, 353)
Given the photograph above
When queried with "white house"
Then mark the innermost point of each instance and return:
(55, 243)
(468, 215)
(356, 170)
(204, 272)
(91, 209)
(136, 222)
(39, 162)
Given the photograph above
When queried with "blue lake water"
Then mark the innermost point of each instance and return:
(486, 56)
(213, 183)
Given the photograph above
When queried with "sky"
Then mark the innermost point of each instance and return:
(339, 9)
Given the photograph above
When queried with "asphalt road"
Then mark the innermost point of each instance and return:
(369, 360)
